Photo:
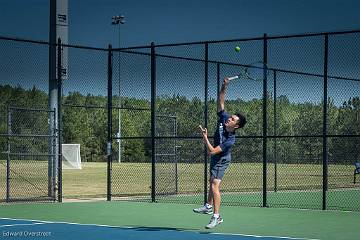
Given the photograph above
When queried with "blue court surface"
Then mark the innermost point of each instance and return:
(33, 229)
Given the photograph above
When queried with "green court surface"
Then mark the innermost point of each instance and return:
(293, 223)
(337, 199)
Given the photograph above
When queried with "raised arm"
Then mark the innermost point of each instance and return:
(221, 100)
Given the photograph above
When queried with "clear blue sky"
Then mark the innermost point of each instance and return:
(178, 21)
(174, 21)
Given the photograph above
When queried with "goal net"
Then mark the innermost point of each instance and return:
(71, 158)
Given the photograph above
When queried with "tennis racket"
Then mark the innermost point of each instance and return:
(255, 71)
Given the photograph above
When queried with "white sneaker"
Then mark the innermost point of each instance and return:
(203, 210)
(214, 222)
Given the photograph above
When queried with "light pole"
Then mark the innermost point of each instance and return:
(118, 20)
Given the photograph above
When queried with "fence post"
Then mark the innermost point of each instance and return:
(9, 132)
(265, 123)
(275, 134)
(109, 130)
(324, 135)
(58, 130)
(153, 121)
(206, 118)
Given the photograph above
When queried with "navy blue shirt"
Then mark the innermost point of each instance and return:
(223, 138)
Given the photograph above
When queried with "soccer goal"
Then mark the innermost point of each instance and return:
(71, 158)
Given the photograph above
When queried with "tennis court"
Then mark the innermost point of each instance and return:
(126, 220)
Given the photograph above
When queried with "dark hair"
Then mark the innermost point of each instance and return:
(242, 120)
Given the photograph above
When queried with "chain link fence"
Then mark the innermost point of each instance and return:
(298, 148)
(27, 156)
(26, 134)
(84, 121)
(131, 114)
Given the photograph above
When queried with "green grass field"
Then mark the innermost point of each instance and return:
(298, 185)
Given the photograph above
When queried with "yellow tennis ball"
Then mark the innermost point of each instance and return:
(237, 49)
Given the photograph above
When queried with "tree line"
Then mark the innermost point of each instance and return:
(84, 121)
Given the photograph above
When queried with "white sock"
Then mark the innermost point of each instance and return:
(208, 205)
(216, 215)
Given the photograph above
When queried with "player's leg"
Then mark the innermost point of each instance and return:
(208, 208)
(220, 167)
(215, 219)
(210, 199)
(215, 188)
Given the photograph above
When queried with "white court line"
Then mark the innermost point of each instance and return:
(111, 226)
(21, 224)
(260, 236)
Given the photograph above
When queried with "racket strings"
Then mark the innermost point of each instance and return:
(257, 71)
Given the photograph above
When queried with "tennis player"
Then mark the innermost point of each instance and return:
(224, 139)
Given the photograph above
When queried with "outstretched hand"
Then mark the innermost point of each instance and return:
(203, 131)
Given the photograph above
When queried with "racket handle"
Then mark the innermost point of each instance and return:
(232, 78)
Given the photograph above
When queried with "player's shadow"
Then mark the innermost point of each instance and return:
(153, 229)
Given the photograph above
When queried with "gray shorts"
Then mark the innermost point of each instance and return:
(218, 166)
